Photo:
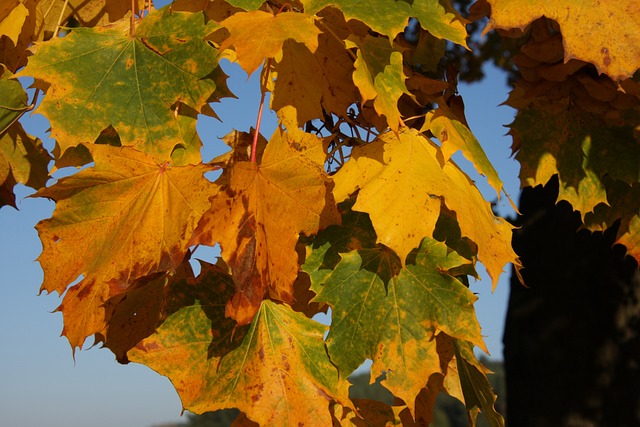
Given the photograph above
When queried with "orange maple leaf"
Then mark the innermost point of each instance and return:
(122, 219)
(259, 217)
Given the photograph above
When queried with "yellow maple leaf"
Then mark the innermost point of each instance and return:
(12, 17)
(401, 186)
(614, 26)
(127, 217)
(122, 219)
(259, 217)
(274, 30)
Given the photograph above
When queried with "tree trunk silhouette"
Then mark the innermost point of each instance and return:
(572, 337)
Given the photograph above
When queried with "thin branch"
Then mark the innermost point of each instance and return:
(64, 7)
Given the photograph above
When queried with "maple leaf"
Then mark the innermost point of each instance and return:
(401, 186)
(274, 30)
(23, 159)
(617, 52)
(12, 17)
(373, 413)
(454, 136)
(246, 4)
(581, 148)
(311, 82)
(389, 313)
(390, 17)
(478, 395)
(258, 218)
(279, 374)
(133, 315)
(140, 216)
(379, 75)
(88, 13)
(13, 101)
(623, 205)
(148, 76)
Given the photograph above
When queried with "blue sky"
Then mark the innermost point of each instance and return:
(41, 384)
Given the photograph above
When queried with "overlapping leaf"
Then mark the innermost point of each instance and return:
(127, 216)
(379, 76)
(22, 158)
(455, 136)
(478, 395)
(273, 31)
(390, 313)
(401, 186)
(311, 82)
(259, 216)
(148, 76)
(279, 374)
(13, 14)
(390, 17)
(554, 138)
(617, 51)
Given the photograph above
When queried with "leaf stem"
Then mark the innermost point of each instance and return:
(263, 90)
(64, 7)
(132, 30)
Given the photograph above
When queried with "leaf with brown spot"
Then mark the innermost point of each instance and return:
(613, 25)
(166, 64)
(279, 374)
(124, 218)
(389, 313)
(259, 216)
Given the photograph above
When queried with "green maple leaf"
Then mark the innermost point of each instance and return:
(103, 76)
(390, 17)
(278, 372)
(388, 313)
(13, 102)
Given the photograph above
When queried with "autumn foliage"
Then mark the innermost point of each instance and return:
(353, 204)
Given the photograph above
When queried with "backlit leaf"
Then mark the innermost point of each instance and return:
(279, 374)
(12, 17)
(554, 138)
(140, 216)
(274, 30)
(390, 17)
(617, 50)
(455, 136)
(90, 70)
(258, 218)
(390, 314)
(401, 186)
(311, 82)
(478, 394)
(379, 76)
(23, 160)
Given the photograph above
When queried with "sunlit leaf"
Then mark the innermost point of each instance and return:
(287, 195)
(149, 76)
(279, 374)
(617, 50)
(274, 30)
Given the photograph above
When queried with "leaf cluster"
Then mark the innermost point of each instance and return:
(354, 203)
